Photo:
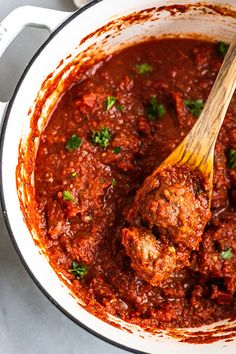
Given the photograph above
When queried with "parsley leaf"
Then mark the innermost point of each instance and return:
(198, 189)
(116, 150)
(74, 174)
(155, 109)
(113, 182)
(110, 102)
(67, 196)
(101, 137)
(143, 68)
(79, 270)
(195, 107)
(120, 107)
(227, 254)
(222, 48)
(232, 159)
(73, 143)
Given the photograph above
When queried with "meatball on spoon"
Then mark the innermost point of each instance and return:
(172, 208)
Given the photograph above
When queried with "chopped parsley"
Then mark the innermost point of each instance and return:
(222, 48)
(73, 143)
(102, 137)
(116, 150)
(79, 270)
(227, 254)
(67, 196)
(195, 107)
(155, 109)
(110, 102)
(120, 107)
(232, 159)
(74, 174)
(143, 68)
(199, 190)
(113, 182)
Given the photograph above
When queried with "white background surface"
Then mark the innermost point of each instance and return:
(29, 323)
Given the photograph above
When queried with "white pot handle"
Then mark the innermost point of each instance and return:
(24, 16)
(81, 3)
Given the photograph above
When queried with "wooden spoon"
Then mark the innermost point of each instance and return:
(197, 149)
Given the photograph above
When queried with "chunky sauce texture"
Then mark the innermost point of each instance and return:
(108, 132)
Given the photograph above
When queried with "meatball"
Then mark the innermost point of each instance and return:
(152, 259)
(175, 201)
(217, 254)
(173, 206)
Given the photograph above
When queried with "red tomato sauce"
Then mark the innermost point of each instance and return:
(108, 132)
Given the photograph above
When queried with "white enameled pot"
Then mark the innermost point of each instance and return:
(67, 32)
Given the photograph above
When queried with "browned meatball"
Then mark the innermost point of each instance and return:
(174, 205)
(173, 200)
(217, 254)
(152, 259)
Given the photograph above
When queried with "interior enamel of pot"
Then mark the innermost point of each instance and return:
(192, 21)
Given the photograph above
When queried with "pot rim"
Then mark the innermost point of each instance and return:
(9, 220)
(2, 198)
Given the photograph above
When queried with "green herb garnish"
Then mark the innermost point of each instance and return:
(101, 180)
(74, 174)
(79, 270)
(120, 107)
(113, 182)
(73, 143)
(116, 150)
(110, 102)
(68, 196)
(199, 190)
(222, 48)
(101, 137)
(143, 68)
(227, 254)
(232, 159)
(195, 107)
(155, 109)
